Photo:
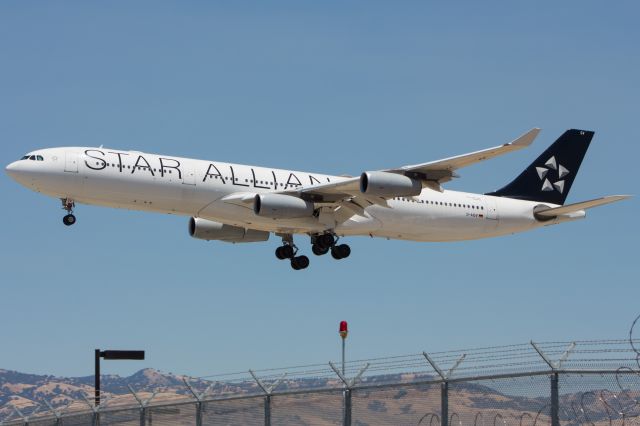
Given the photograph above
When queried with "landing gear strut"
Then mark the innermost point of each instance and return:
(288, 250)
(323, 243)
(69, 219)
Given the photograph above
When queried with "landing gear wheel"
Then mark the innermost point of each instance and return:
(340, 252)
(69, 219)
(319, 250)
(299, 262)
(288, 252)
(325, 240)
(284, 252)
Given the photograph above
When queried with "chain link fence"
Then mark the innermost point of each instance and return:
(554, 383)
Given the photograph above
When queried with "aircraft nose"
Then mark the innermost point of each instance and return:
(14, 170)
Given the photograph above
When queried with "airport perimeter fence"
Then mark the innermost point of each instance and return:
(553, 383)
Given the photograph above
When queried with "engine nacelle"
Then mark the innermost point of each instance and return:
(209, 230)
(280, 206)
(386, 184)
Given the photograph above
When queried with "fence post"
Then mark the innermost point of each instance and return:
(555, 400)
(346, 393)
(198, 397)
(444, 386)
(55, 412)
(95, 409)
(267, 410)
(143, 404)
(268, 391)
(347, 407)
(444, 403)
(25, 418)
(555, 391)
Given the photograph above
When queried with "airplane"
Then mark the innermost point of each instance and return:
(241, 203)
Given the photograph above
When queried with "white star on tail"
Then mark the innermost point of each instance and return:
(543, 173)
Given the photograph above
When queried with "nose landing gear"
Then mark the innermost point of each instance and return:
(68, 205)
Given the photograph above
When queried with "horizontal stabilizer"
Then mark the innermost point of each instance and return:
(571, 208)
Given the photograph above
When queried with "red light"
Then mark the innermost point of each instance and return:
(344, 329)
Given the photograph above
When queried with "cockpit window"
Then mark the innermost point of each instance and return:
(33, 157)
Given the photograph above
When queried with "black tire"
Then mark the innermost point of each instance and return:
(345, 251)
(279, 254)
(335, 252)
(318, 250)
(340, 252)
(299, 262)
(287, 252)
(294, 264)
(325, 240)
(303, 262)
(69, 220)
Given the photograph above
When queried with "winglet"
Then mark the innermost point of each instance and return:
(526, 139)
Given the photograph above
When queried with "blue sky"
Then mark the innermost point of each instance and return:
(335, 87)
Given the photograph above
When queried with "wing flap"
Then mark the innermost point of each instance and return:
(571, 208)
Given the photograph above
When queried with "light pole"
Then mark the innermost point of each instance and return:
(132, 355)
(344, 331)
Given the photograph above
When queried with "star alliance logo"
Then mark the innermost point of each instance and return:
(543, 173)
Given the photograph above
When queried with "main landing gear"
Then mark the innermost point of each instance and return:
(288, 250)
(323, 243)
(69, 219)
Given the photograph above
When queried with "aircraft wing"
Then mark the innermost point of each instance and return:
(432, 175)
(441, 171)
(572, 208)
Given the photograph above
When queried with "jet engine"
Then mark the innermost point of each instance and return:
(386, 184)
(209, 230)
(280, 206)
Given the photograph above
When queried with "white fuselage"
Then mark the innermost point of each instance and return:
(182, 186)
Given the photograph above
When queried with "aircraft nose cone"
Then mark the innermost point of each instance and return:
(10, 168)
(13, 170)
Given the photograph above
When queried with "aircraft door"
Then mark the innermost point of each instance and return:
(491, 208)
(71, 161)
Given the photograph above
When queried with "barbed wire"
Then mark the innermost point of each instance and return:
(490, 360)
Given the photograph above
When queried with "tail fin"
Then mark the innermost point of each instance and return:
(549, 178)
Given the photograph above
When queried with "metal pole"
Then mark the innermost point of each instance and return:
(555, 401)
(97, 379)
(347, 407)
(143, 416)
(267, 410)
(199, 413)
(343, 356)
(444, 403)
